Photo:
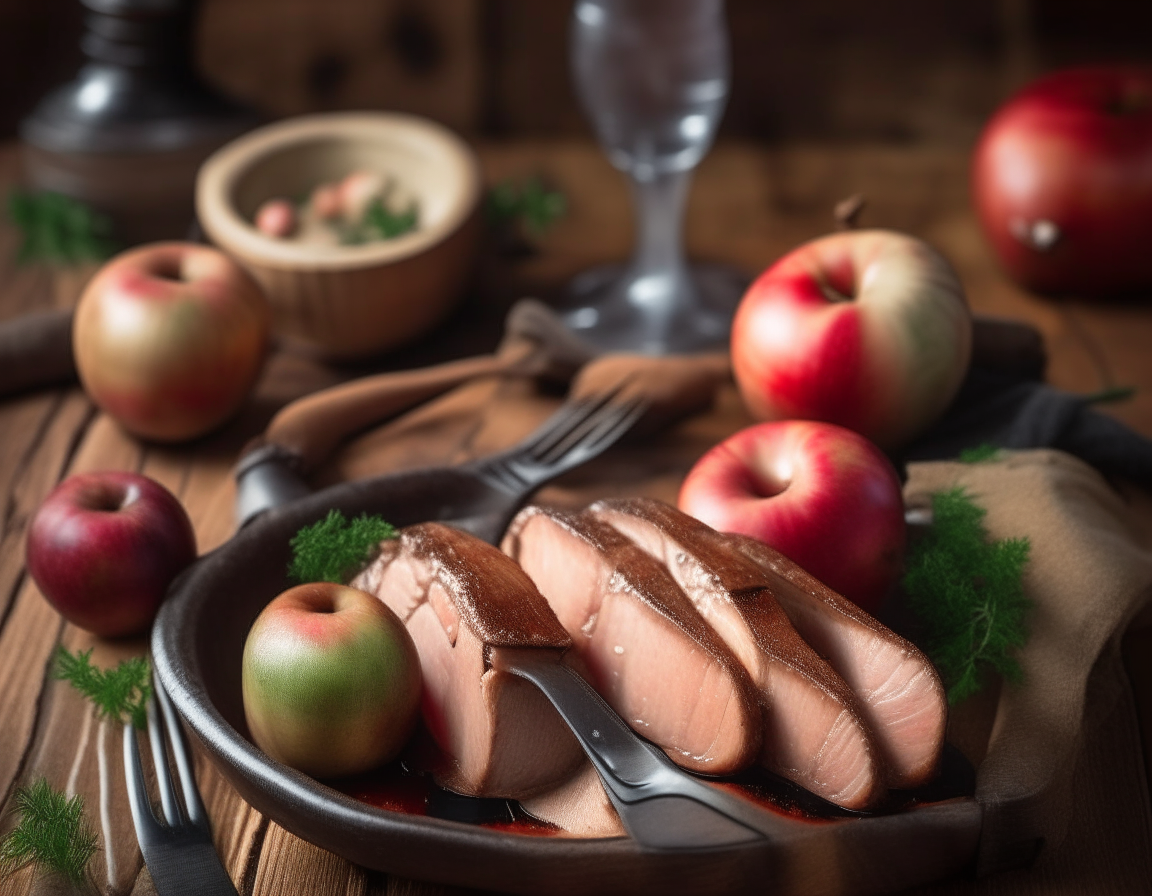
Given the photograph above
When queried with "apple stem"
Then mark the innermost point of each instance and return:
(847, 212)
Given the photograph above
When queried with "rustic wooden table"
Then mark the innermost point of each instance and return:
(749, 205)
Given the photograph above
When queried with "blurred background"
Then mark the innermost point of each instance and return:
(890, 71)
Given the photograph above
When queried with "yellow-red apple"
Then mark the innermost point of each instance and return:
(169, 339)
(865, 329)
(330, 680)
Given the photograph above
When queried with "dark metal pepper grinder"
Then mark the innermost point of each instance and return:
(129, 132)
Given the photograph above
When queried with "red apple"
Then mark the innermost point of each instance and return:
(1062, 181)
(866, 329)
(331, 680)
(823, 496)
(169, 339)
(103, 548)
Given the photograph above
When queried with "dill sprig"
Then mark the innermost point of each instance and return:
(531, 204)
(968, 592)
(120, 694)
(382, 223)
(52, 833)
(335, 549)
(979, 454)
(58, 229)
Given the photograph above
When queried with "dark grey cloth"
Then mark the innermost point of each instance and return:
(1008, 412)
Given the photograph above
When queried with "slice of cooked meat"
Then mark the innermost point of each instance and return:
(466, 604)
(579, 806)
(899, 690)
(814, 733)
(646, 648)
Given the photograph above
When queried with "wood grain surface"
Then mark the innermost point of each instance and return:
(749, 205)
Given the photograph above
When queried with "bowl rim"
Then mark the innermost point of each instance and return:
(941, 836)
(227, 228)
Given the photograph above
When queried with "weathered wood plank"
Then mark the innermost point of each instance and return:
(344, 54)
(289, 866)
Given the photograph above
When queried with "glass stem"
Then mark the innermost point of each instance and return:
(659, 253)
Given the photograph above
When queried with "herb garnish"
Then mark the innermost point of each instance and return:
(381, 223)
(59, 229)
(335, 549)
(530, 204)
(52, 833)
(968, 592)
(979, 453)
(120, 694)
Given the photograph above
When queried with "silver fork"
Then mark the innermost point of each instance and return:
(178, 851)
(580, 431)
(480, 496)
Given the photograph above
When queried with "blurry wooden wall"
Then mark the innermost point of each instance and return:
(886, 70)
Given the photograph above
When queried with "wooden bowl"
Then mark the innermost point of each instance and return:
(349, 301)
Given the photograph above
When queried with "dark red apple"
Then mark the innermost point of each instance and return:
(1062, 181)
(103, 548)
(867, 329)
(825, 497)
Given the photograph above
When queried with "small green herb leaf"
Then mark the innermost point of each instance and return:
(389, 224)
(381, 223)
(52, 833)
(530, 204)
(969, 594)
(334, 549)
(120, 694)
(58, 229)
(979, 454)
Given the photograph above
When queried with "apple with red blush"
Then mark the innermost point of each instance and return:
(1062, 181)
(169, 339)
(824, 496)
(866, 329)
(330, 680)
(103, 548)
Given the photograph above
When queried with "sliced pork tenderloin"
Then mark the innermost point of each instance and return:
(814, 731)
(899, 690)
(579, 806)
(646, 648)
(470, 610)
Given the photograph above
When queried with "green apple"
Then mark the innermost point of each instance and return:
(331, 680)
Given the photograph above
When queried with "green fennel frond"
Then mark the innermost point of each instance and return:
(381, 222)
(52, 833)
(120, 694)
(335, 549)
(58, 229)
(968, 593)
(979, 454)
(531, 204)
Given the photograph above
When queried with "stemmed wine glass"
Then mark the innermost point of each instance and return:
(653, 77)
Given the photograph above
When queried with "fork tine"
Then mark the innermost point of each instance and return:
(192, 802)
(598, 431)
(609, 433)
(168, 800)
(564, 424)
(143, 818)
(570, 422)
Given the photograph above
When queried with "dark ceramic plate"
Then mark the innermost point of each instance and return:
(197, 644)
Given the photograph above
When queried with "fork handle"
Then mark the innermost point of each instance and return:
(310, 429)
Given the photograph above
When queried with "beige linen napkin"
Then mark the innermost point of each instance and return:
(1088, 575)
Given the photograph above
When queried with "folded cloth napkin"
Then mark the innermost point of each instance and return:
(1089, 574)
(998, 409)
